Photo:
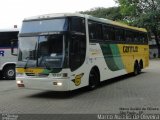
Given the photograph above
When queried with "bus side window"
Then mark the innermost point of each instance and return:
(129, 36)
(106, 32)
(95, 31)
(136, 34)
(119, 34)
(77, 24)
(146, 38)
(142, 38)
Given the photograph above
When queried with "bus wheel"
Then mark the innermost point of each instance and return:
(1, 75)
(140, 66)
(94, 78)
(136, 69)
(9, 72)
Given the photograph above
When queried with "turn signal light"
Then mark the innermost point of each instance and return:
(20, 83)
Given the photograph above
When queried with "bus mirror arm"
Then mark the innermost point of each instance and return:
(12, 52)
(13, 43)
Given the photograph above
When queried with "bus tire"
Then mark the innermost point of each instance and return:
(136, 69)
(94, 78)
(9, 72)
(1, 75)
(140, 66)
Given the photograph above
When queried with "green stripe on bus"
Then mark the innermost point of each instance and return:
(53, 70)
(112, 56)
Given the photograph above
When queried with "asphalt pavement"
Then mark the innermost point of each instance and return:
(127, 93)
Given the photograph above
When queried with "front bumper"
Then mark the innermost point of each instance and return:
(53, 84)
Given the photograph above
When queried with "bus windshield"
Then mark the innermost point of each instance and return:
(41, 51)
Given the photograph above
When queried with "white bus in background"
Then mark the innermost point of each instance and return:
(7, 58)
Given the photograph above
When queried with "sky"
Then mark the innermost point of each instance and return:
(12, 12)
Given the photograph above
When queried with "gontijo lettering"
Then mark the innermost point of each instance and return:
(1, 52)
(127, 49)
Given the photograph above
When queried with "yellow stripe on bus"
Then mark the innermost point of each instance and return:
(131, 53)
(29, 70)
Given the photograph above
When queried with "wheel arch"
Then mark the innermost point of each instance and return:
(97, 70)
(8, 64)
(141, 64)
(9, 71)
(135, 63)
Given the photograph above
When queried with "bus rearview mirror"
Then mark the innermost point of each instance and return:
(14, 47)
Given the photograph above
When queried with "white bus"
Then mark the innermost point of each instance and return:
(63, 52)
(8, 60)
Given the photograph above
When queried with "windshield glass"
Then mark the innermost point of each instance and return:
(59, 24)
(41, 51)
(50, 51)
(27, 50)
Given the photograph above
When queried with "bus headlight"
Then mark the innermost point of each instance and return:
(57, 83)
(19, 82)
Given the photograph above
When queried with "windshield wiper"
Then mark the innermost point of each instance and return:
(46, 65)
(25, 66)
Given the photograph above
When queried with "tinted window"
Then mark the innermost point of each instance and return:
(143, 38)
(52, 25)
(95, 31)
(6, 37)
(77, 24)
(108, 33)
(129, 36)
(135, 37)
(119, 34)
(115, 34)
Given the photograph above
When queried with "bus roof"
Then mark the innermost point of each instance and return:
(9, 30)
(55, 15)
(118, 24)
(58, 15)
